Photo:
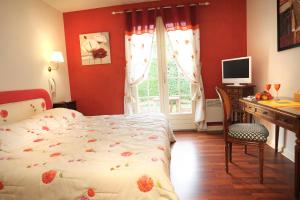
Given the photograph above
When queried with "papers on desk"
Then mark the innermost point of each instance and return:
(280, 103)
(250, 98)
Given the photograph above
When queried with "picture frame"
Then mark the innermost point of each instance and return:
(288, 24)
(95, 48)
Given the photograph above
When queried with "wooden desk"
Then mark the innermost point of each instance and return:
(288, 118)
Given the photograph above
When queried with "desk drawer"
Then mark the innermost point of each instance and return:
(249, 108)
(265, 113)
(286, 121)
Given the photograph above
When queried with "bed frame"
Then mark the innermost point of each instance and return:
(21, 104)
(23, 95)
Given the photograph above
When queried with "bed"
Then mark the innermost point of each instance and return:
(61, 154)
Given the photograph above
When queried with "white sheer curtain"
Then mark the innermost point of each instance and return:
(186, 52)
(138, 55)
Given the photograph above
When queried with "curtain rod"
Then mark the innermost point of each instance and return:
(198, 4)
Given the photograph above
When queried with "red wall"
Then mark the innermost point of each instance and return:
(99, 89)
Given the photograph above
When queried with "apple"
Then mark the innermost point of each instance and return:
(258, 96)
(264, 97)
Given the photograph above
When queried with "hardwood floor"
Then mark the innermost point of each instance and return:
(198, 171)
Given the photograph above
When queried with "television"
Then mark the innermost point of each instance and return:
(237, 71)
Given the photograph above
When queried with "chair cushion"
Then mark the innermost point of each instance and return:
(249, 132)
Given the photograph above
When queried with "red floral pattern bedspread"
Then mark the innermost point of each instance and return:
(61, 154)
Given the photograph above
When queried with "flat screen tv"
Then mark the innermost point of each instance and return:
(237, 71)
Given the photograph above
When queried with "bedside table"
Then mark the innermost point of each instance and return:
(69, 105)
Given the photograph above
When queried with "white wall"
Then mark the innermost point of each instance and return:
(270, 66)
(29, 31)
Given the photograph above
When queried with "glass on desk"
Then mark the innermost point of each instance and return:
(277, 87)
(268, 87)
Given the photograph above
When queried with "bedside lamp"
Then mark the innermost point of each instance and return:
(56, 58)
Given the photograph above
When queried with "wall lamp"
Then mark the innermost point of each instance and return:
(56, 58)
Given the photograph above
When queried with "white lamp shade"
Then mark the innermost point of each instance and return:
(57, 57)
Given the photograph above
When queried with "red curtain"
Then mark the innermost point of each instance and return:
(175, 18)
(140, 21)
(180, 18)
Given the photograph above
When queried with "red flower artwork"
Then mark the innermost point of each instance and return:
(1, 185)
(47, 177)
(126, 154)
(145, 183)
(90, 192)
(3, 113)
(99, 53)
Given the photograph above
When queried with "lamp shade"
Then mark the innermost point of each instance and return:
(57, 57)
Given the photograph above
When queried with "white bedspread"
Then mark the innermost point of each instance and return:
(61, 154)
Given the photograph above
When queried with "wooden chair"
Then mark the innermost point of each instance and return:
(241, 133)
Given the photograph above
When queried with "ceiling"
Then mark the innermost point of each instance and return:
(75, 5)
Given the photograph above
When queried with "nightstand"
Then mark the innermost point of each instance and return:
(69, 105)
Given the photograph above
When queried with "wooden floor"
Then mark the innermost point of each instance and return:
(197, 171)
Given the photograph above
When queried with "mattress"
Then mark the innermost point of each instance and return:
(61, 154)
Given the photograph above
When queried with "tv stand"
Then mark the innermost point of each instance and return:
(236, 92)
(238, 84)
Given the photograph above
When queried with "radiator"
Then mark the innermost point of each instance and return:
(214, 110)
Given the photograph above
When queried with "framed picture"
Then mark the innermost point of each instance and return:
(95, 48)
(288, 22)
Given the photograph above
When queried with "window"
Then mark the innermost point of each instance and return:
(165, 88)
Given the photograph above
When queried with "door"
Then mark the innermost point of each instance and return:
(166, 89)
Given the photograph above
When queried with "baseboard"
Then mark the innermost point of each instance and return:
(184, 130)
(271, 144)
(214, 123)
(284, 151)
(214, 126)
(288, 154)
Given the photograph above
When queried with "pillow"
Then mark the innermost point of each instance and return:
(54, 118)
(17, 135)
(59, 113)
(17, 111)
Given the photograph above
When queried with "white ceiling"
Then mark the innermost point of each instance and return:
(75, 5)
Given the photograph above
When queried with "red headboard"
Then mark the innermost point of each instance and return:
(23, 95)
